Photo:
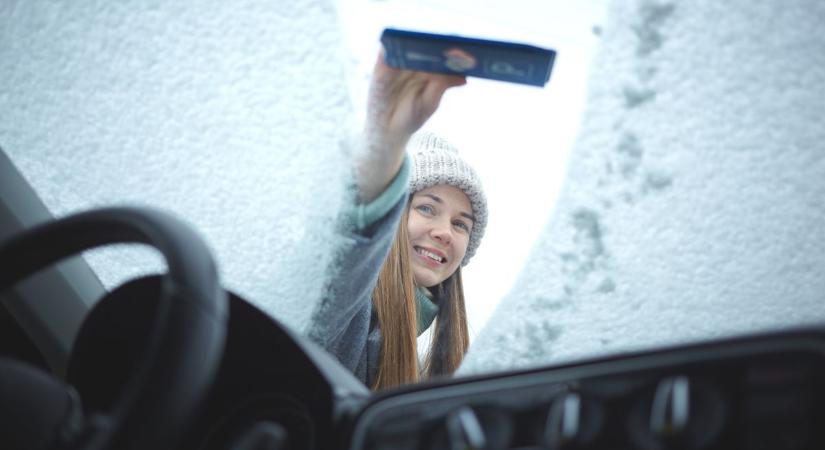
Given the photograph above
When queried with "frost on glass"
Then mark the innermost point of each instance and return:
(230, 116)
(695, 193)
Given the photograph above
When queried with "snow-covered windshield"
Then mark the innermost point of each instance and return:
(666, 186)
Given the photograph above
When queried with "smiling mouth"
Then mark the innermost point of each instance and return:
(428, 254)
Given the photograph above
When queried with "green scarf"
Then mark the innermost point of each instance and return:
(427, 309)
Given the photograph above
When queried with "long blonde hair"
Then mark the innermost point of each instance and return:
(395, 305)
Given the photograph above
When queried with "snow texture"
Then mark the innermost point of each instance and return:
(230, 115)
(695, 194)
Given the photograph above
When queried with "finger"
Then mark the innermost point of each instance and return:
(438, 84)
(382, 69)
(455, 80)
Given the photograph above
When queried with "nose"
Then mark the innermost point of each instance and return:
(441, 231)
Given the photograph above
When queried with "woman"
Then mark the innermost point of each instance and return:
(401, 269)
(439, 231)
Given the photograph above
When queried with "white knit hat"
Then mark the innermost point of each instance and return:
(436, 161)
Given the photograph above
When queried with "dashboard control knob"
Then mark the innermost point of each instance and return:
(563, 421)
(572, 422)
(464, 430)
(670, 411)
(677, 413)
(476, 427)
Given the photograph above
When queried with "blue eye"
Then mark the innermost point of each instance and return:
(426, 209)
(462, 225)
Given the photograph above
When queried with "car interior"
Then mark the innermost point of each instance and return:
(183, 359)
(177, 361)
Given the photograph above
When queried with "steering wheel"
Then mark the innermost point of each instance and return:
(182, 351)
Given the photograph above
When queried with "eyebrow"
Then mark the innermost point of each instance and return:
(438, 199)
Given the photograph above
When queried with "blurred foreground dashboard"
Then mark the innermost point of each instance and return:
(276, 391)
(239, 380)
(758, 392)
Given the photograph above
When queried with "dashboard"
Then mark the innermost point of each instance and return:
(756, 392)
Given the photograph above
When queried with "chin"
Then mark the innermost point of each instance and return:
(425, 280)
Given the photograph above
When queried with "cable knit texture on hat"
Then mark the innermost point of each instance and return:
(436, 161)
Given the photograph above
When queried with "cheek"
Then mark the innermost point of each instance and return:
(413, 226)
(461, 246)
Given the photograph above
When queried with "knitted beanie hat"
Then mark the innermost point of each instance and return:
(436, 161)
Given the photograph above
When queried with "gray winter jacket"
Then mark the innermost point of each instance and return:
(344, 323)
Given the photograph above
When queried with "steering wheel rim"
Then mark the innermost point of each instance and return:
(189, 331)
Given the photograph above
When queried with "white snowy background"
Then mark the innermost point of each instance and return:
(691, 206)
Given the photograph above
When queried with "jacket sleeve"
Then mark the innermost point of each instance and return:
(342, 321)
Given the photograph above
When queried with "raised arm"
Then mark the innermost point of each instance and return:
(400, 102)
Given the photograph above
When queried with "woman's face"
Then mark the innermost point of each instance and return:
(440, 222)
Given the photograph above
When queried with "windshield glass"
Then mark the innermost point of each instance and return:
(665, 186)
